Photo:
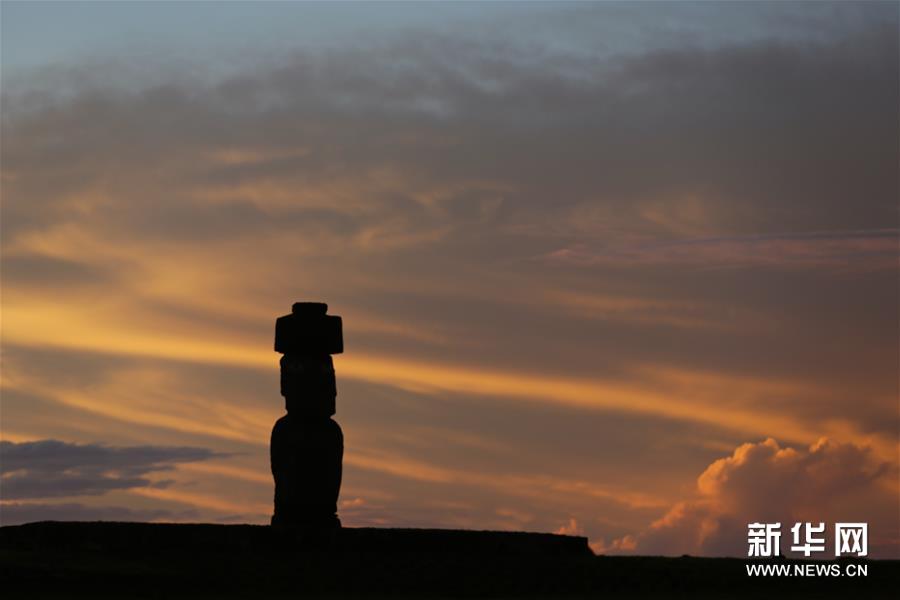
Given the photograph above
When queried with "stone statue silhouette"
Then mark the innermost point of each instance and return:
(307, 445)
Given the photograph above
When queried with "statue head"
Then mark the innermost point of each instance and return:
(307, 338)
(308, 384)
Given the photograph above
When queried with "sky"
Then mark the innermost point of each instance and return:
(626, 271)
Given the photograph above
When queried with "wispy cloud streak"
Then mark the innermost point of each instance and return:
(875, 249)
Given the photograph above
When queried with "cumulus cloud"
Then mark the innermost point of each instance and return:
(764, 482)
(52, 468)
(570, 527)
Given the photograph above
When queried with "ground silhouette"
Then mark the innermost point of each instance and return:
(143, 560)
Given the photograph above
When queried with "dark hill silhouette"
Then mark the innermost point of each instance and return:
(143, 560)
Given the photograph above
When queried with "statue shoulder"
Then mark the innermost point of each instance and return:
(282, 424)
(335, 429)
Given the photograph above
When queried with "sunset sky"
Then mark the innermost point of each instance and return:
(628, 271)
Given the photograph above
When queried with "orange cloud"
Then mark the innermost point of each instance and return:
(763, 482)
(57, 326)
(689, 395)
(570, 527)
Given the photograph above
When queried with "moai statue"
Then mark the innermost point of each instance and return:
(307, 446)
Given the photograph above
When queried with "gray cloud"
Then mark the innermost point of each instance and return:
(842, 250)
(51, 272)
(52, 468)
(16, 513)
(759, 125)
